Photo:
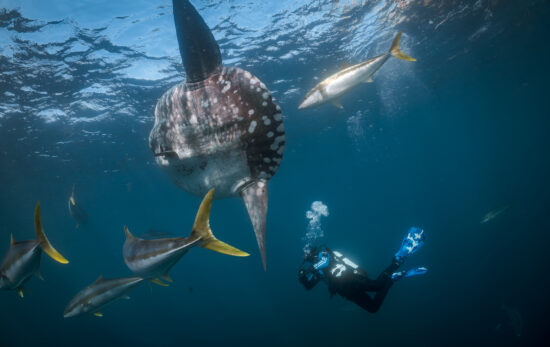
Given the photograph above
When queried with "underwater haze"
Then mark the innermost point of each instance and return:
(437, 143)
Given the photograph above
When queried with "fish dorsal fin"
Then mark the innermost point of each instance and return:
(12, 241)
(99, 279)
(129, 235)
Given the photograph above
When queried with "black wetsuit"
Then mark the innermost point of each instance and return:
(346, 278)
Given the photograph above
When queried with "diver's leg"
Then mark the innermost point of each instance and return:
(369, 304)
(381, 281)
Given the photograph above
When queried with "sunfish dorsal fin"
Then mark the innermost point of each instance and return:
(199, 50)
(129, 235)
(43, 240)
(255, 199)
(201, 230)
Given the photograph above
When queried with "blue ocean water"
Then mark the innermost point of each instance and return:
(436, 143)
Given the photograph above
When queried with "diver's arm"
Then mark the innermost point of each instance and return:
(308, 276)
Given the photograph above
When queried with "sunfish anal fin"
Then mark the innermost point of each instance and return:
(255, 199)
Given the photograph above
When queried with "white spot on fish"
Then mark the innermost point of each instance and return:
(278, 117)
(252, 126)
(265, 95)
(270, 134)
(227, 86)
(258, 90)
(205, 104)
(264, 104)
(250, 112)
(247, 75)
(278, 108)
(281, 150)
(267, 160)
(281, 128)
(261, 184)
(267, 121)
(215, 100)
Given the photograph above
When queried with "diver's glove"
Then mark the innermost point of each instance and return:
(411, 243)
(408, 273)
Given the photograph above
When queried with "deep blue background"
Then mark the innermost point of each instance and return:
(436, 143)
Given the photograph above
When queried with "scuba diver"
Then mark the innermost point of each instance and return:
(350, 281)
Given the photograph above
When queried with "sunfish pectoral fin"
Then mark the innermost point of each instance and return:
(396, 51)
(202, 231)
(43, 240)
(255, 199)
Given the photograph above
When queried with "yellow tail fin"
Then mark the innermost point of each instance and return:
(202, 231)
(396, 52)
(43, 240)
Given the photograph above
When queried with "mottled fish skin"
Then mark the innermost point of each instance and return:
(153, 258)
(20, 262)
(225, 132)
(99, 294)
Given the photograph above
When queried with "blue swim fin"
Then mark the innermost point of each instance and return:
(409, 273)
(411, 243)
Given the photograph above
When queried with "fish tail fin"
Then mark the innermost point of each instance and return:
(202, 231)
(43, 240)
(396, 51)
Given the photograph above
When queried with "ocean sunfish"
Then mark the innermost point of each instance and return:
(153, 259)
(23, 258)
(220, 128)
(100, 293)
(76, 211)
(332, 88)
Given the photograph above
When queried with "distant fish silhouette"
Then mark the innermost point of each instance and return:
(98, 294)
(76, 211)
(23, 258)
(494, 214)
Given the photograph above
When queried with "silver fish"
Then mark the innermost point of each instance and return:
(153, 259)
(220, 128)
(23, 258)
(332, 88)
(98, 294)
(489, 216)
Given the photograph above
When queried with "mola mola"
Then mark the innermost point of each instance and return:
(23, 258)
(220, 128)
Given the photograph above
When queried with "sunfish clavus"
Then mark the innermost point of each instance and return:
(220, 128)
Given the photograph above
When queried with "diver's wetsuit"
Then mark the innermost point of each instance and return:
(346, 278)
